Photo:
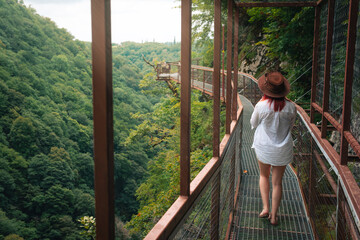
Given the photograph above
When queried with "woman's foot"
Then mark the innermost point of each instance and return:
(264, 214)
(273, 220)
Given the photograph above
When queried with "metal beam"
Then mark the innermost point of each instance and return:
(103, 118)
(229, 66)
(349, 73)
(236, 60)
(216, 78)
(223, 63)
(328, 117)
(185, 108)
(215, 192)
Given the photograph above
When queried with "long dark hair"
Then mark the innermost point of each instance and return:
(279, 103)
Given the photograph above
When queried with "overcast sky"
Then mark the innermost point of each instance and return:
(131, 20)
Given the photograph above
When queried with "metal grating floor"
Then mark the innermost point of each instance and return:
(293, 222)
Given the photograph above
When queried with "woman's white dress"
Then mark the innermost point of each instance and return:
(273, 142)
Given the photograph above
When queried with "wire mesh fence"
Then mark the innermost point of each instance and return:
(322, 192)
(335, 93)
(197, 223)
(201, 220)
(321, 55)
(328, 205)
(338, 56)
(249, 88)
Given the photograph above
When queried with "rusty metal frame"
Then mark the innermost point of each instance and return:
(236, 62)
(328, 50)
(349, 73)
(229, 65)
(103, 118)
(185, 107)
(167, 224)
(216, 78)
(223, 62)
(215, 194)
(346, 178)
(328, 117)
(347, 134)
(180, 207)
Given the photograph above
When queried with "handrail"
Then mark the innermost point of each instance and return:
(168, 223)
(346, 179)
(347, 195)
(173, 216)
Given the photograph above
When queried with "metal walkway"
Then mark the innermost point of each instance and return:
(293, 222)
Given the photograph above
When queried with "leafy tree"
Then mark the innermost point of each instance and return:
(13, 237)
(162, 129)
(21, 136)
(46, 152)
(89, 225)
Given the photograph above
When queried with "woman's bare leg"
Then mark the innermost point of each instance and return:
(264, 186)
(277, 175)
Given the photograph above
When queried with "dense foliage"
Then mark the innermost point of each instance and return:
(46, 164)
(162, 128)
(269, 39)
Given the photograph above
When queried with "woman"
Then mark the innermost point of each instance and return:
(273, 118)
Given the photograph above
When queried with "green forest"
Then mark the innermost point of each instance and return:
(46, 152)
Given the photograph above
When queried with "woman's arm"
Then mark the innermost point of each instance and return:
(255, 119)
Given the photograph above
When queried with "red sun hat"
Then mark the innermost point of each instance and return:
(274, 84)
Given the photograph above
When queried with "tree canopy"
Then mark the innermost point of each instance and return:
(46, 136)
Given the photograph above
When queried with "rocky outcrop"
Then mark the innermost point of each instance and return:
(255, 65)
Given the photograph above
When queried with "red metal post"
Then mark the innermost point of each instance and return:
(236, 60)
(349, 73)
(204, 81)
(215, 193)
(315, 61)
(244, 85)
(103, 118)
(229, 66)
(216, 79)
(185, 108)
(329, 35)
(223, 62)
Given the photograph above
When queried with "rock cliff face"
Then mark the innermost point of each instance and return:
(257, 64)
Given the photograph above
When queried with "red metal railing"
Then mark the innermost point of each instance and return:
(316, 160)
(190, 217)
